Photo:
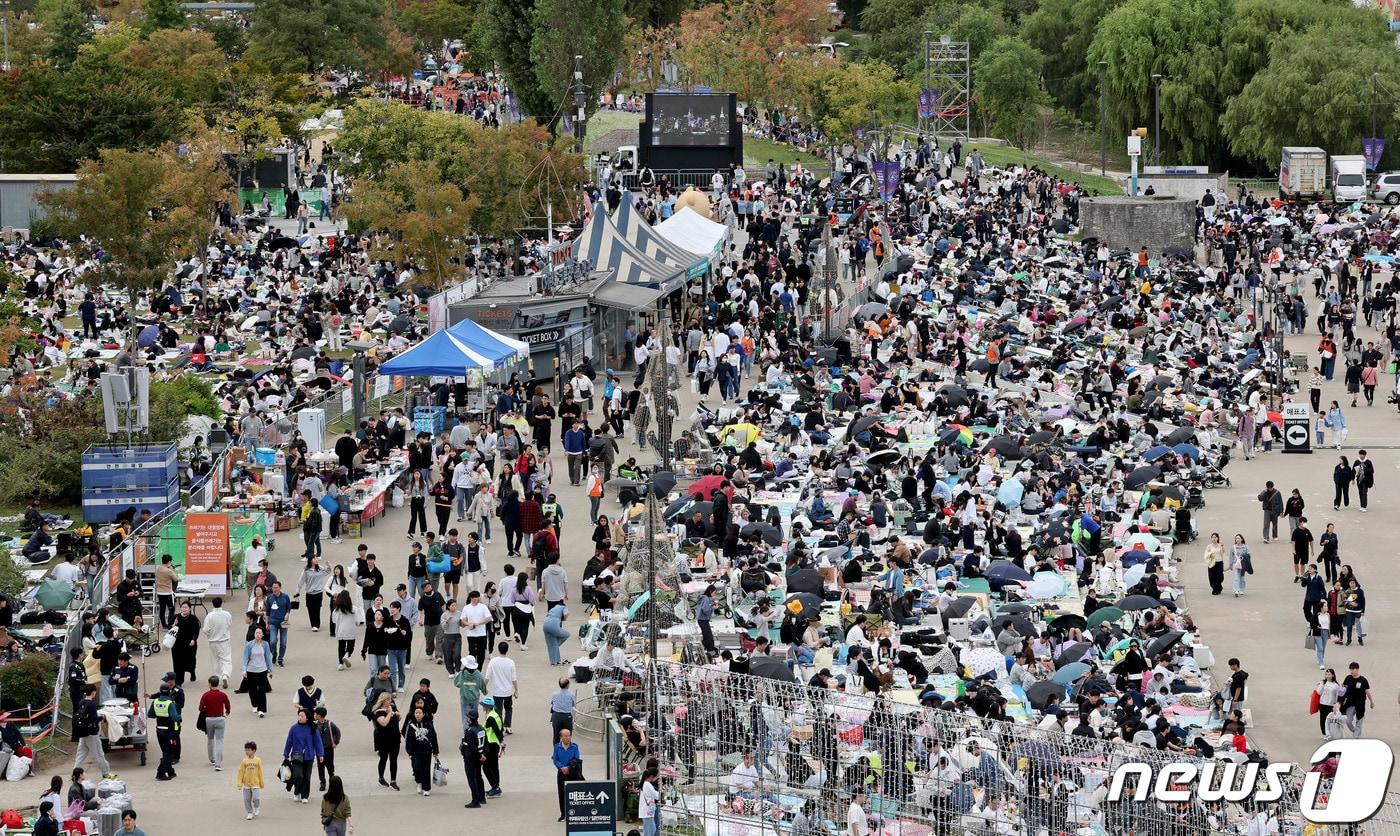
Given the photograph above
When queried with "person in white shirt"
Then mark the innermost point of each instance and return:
(68, 570)
(856, 822)
(743, 781)
(501, 682)
(216, 631)
(647, 807)
(475, 618)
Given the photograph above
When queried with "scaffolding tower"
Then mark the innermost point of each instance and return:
(948, 72)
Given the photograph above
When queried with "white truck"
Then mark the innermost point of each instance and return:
(1303, 173)
(1348, 178)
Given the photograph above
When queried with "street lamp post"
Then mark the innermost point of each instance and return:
(1103, 131)
(5, 24)
(1157, 119)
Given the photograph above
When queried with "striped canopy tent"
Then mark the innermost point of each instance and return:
(602, 244)
(636, 230)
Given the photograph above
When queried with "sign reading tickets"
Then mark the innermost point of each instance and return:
(206, 550)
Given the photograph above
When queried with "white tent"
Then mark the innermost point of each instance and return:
(693, 233)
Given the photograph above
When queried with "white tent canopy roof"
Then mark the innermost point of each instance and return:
(693, 233)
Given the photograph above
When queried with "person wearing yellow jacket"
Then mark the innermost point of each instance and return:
(249, 779)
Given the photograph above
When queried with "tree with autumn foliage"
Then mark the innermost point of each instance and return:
(143, 209)
(510, 175)
(739, 46)
(426, 217)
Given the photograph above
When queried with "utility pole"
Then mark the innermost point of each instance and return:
(580, 104)
(924, 124)
(1373, 95)
(5, 67)
(1103, 130)
(1157, 119)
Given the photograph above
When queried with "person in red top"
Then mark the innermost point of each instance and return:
(214, 707)
(531, 518)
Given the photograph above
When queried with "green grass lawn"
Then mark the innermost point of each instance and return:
(758, 151)
(1005, 155)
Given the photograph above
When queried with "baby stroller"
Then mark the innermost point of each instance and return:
(1212, 474)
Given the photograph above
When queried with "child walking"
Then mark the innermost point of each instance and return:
(250, 779)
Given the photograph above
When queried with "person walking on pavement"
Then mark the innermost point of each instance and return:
(1327, 553)
(303, 746)
(87, 732)
(330, 741)
(1356, 698)
(335, 809)
(1364, 471)
(310, 525)
(217, 631)
(561, 708)
(250, 780)
(279, 609)
(568, 764)
(167, 716)
(1271, 500)
(1328, 693)
(502, 683)
(421, 743)
(470, 686)
(214, 709)
(495, 745)
(1241, 563)
(1293, 509)
(473, 758)
(1342, 477)
(1215, 564)
(1302, 538)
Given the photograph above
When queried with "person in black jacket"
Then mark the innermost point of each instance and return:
(421, 743)
(87, 730)
(473, 756)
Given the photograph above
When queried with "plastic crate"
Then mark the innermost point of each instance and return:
(429, 419)
(103, 504)
(141, 466)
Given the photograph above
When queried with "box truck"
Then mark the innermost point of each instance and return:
(1303, 173)
(1348, 178)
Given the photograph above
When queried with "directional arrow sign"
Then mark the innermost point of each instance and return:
(589, 809)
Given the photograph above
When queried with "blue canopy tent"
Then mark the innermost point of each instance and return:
(454, 351)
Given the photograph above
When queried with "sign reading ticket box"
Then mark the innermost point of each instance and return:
(590, 808)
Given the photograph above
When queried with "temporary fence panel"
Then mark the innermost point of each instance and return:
(923, 770)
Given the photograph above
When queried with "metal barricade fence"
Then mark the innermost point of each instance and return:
(99, 591)
(924, 770)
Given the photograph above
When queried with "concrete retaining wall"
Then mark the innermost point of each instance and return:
(1129, 223)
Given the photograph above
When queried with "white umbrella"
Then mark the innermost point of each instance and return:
(1046, 585)
(984, 660)
(1134, 574)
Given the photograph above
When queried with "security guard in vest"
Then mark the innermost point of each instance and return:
(551, 509)
(495, 743)
(167, 716)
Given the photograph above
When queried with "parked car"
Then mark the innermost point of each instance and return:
(1386, 188)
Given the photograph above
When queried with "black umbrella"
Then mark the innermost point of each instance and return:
(1005, 570)
(1005, 447)
(1180, 435)
(1071, 653)
(1177, 251)
(282, 243)
(1141, 476)
(306, 352)
(806, 580)
(956, 395)
(1095, 686)
(883, 458)
(1040, 693)
(827, 354)
(1056, 531)
(835, 554)
(1060, 225)
(621, 482)
(979, 365)
(1173, 492)
(1015, 607)
(678, 507)
(1069, 621)
(1022, 624)
(811, 605)
(959, 607)
(772, 536)
(864, 423)
(1163, 643)
(1042, 437)
(771, 667)
(1134, 603)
